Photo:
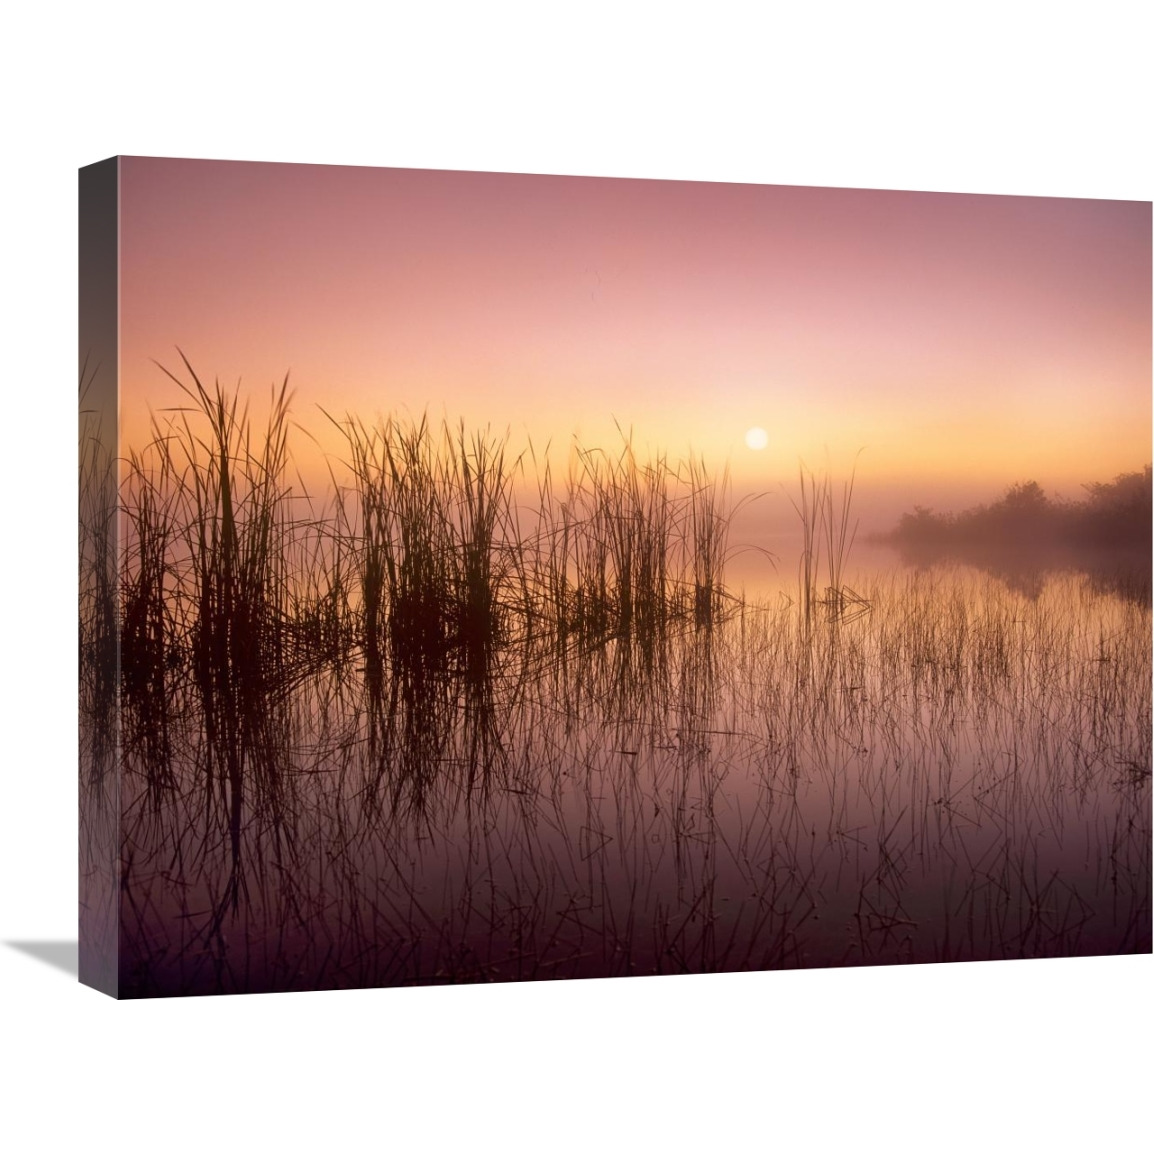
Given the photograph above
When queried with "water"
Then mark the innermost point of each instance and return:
(961, 773)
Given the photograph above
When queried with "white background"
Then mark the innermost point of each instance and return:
(1007, 97)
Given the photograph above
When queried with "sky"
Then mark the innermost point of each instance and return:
(949, 344)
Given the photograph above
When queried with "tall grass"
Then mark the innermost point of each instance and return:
(99, 668)
(99, 610)
(827, 524)
(421, 566)
(436, 730)
(234, 524)
(633, 548)
(431, 525)
(151, 633)
(708, 537)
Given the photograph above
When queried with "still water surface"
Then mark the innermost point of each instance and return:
(961, 772)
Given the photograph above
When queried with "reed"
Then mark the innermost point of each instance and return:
(826, 522)
(424, 733)
(151, 636)
(228, 516)
(708, 535)
(98, 607)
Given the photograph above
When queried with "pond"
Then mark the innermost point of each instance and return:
(957, 770)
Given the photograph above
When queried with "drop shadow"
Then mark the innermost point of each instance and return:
(62, 955)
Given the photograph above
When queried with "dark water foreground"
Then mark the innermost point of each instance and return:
(961, 773)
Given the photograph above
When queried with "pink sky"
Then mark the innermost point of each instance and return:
(966, 342)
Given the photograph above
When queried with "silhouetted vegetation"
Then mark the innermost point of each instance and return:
(1113, 515)
(421, 733)
(827, 540)
(1020, 537)
(99, 677)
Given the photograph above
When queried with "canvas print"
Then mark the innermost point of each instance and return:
(492, 577)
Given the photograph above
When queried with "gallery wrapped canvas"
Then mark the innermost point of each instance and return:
(491, 577)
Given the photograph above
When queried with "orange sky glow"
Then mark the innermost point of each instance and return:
(962, 342)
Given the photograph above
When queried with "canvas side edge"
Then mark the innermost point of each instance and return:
(98, 576)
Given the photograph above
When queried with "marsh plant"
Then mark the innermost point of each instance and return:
(461, 721)
(828, 532)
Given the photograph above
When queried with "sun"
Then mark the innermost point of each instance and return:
(756, 438)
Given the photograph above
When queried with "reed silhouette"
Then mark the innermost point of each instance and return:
(99, 728)
(826, 525)
(418, 732)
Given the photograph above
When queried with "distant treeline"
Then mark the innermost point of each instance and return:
(1114, 515)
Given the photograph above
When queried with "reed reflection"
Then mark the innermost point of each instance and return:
(422, 733)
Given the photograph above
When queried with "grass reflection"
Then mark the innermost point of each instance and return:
(423, 735)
